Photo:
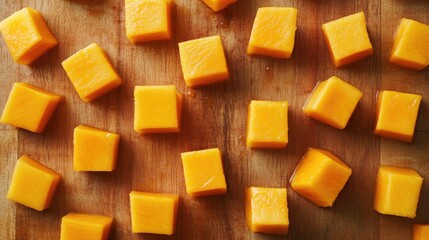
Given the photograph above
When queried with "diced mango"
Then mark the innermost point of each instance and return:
(153, 212)
(267, 124)
(320, 176)
(91, 72)
(158, 109)
(29, 107)
(33, 184)
(85, 226)
(204, 172)
(217, 5)
(420, 231)
(347, 39)
(27, 35)
(397, 191)
(267, 210)
(397, 115)
(332, 102)
(203, 61)
(273, 32)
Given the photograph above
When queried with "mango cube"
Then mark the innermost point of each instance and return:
(203, 61)
(27, 35)
(420, 231)
(273, 32)
(410, 48)
(267, 210)
(85, 226)
(29, 107)
(397, 115)
(158, 109)
(153, 212)
(332, 102)
(33, 184)
(94, 149)
(347, 39)
(267, 124)
(320, 176)
(217, 5)
(91, 72)
(397, 191)
(204, 172)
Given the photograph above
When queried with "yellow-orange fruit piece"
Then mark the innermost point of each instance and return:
(217, 5)
(320, 177)
(85, 226)
(397, 191)
(420, 231)
(29, 107)
(27, 35)
(33, 184)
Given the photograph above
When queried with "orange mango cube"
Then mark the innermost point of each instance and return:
(420, 231)
(85, 226)
(217, 5)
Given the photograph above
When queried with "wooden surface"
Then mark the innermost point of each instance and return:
(215, 117)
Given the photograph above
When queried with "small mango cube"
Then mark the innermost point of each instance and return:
(397, 115)
(217, 5)
(203, 61)
(204, 172)
(267, 210)
(158, 109)
(29, 107)
(153, 212)
(27, 35)
(397, 191)
(410, 48)
(420, 231)
(91, 72)
(33, 184)
(267, 124)
(94, 149)
(320, 176)
(85, 226)
(347, 39)
(332, 102)
(273, 32)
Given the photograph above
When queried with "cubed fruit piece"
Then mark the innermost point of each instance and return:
(33, 184)
(148, 20)
(397, 191)
(91, 72)
(347, 39)
(153, 212)
(320, 176)
(29, 107)
(203, 61)
(217, 5)
(204, 172)
(397, 115)
(410, 48)
(332, 102)
(94, 149)
(27, 35)
(157, 109)
(420, 231)
(85, 226)
(273, 32)
(267, 124)
(267, 210)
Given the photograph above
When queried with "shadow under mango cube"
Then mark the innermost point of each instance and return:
(85, 226)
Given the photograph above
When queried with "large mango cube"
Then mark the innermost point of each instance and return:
(217, 5)
(33, 184)
(158, 109)
(203, 61)
(153, 212)
(27, 35)
(94, 149)
(91, 72)
(267, 210)
(273, 32)
(320, 176)
(420, 231)
(347, 39)
(397, 191)
(332, 102)
(397, 115)
(204, 172)
(267, 124)
(29, 107)
(85, 226)
(410, 48)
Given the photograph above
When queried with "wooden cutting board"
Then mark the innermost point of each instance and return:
(214, 117)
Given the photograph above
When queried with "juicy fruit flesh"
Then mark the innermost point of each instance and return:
(217, 5)
(85, 226)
